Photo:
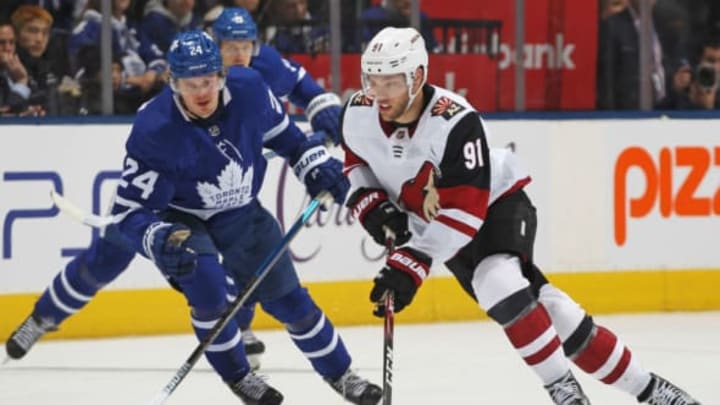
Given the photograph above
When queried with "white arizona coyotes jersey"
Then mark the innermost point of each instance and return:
(439, 169)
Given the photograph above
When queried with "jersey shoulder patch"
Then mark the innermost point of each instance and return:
(446, 107)
(360, 99)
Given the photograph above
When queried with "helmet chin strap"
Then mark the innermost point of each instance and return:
(411, 96)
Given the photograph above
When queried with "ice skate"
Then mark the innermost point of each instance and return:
(356, 389)
(253, 390)
(254, 348)
(663, 392)
(26, 335)
(567, 391)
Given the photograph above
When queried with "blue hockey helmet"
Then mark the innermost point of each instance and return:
(193, 53)
(234, 23)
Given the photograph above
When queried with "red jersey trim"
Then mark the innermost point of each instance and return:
(461, 227)
(470, 199)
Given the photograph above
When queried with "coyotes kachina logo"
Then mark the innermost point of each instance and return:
(446, 107)
(420, 195)
(361, 99)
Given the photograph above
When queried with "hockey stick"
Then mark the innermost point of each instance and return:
(388, 331)
(68, 207)
(253, 283)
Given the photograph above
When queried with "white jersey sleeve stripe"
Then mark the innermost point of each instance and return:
(301, 73)
(276, 130)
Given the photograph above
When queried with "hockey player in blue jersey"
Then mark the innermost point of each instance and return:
(193, 168)
(103, 261)
(236, 33)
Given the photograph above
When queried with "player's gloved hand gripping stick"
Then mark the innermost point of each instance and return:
(394, 289)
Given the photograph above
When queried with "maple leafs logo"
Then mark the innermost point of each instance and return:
(420, 195)
(446, 107)
(233, 189)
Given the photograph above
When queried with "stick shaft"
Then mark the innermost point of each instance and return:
(388, 329)
(389, 334)
(257, 278)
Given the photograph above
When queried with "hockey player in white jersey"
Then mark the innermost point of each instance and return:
(419, 165)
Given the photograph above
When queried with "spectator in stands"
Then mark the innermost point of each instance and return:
(253, 6)
(697, 88)
(710, 53)
(7, 7)
(64, 12)
(138, 68)
(679, 84)
(611, 7)
(714, 18)
(618, 74)
(682, 26)
(395, 13)
(163, 19)
(14, 90)
(292, 29)
(32, 26)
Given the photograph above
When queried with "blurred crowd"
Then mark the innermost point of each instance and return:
(50, 50)
(685, 45)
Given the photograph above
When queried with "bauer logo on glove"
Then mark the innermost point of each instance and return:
(404, 272)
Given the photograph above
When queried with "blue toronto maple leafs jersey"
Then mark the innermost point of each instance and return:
(285, 78)
(203, 167)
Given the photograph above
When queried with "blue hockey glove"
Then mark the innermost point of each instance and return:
(320, 136)
(404, 272)
(166, 245)
(323, 112)
(320, 172)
